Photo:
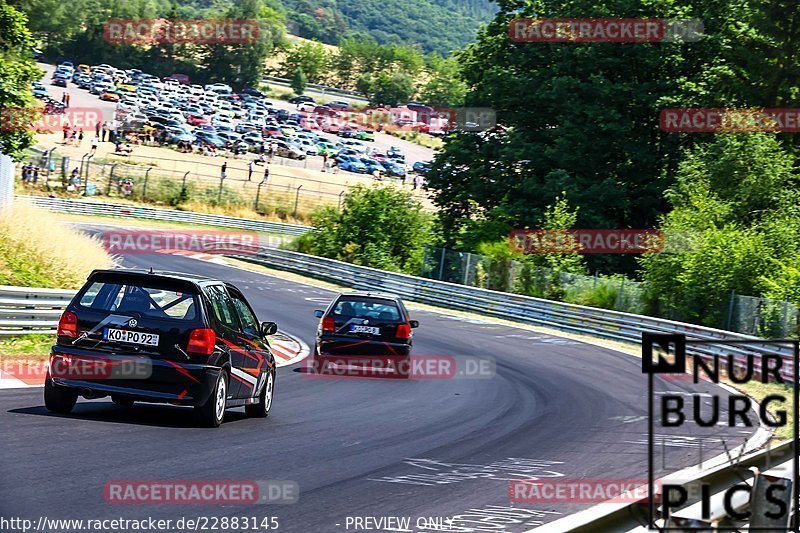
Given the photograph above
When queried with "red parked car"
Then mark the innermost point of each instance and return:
(197, 120)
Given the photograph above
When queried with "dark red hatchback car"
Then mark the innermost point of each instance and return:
(165, 338)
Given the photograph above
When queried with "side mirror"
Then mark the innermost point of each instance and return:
(413, 323)
(319, 313)
(268, 328)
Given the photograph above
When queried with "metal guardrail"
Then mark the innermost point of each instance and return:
(353, 95)
(760, 470)
(90, 207)
(612, 325)
(25, 310)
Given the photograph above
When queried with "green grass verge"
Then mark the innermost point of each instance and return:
(759, 391)
(34, 347)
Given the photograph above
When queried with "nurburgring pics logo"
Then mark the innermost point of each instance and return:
(587, 241)
(698, 120)
(595, 30)
(36, 120)
(209, 242)
(152, 31)
(665, 354)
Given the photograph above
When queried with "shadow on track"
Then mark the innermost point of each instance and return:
(141, 414)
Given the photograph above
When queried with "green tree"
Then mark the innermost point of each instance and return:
(445, 88)
(299, 81)
(734, 227)
(390, 89)
(242, 64)
(583, 117)
(381, 227)
(17, 71)
(310, 57)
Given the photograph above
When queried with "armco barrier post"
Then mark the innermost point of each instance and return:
(146, 177)
(296, 201)
(110, 179)
(183, 185)
(6, 182)
(771, 501)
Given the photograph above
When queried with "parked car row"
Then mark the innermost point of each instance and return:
(217, 116)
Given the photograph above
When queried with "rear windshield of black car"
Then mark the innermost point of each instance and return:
(139, 299)
(363, 307)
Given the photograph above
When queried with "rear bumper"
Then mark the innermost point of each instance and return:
(337, 346)
(139, 377)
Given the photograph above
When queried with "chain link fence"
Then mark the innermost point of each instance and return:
(139, 181)
(744, 314)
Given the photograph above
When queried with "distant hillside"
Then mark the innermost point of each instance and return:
(435, 25)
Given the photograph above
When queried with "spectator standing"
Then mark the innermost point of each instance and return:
(66, 103)
(103, 131)
(250, 171)
(80, 138)
(266, 173)
(97, 129)
(224, 170)
(94, 145)
(35, 175)
(325, 161)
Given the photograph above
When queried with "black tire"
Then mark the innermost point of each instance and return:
(58, 399)
(122, 401)
(210, 414)
(262, 408)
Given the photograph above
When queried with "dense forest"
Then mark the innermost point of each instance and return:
(435, 25)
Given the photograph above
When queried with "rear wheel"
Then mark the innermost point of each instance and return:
(58, 399)
(122, 401)
(211, 413)
(264, 404)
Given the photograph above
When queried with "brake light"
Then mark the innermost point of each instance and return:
(202, 341)
(403, 331)
(68, 325)
(328, 324)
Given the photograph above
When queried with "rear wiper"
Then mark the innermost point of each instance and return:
(79, 339)
(186, 355)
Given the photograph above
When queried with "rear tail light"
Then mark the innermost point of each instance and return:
(328, 324)
(68, 325)
(202, 341)
(403, 331)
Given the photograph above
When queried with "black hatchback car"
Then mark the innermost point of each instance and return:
(363, 324)
(162, 337)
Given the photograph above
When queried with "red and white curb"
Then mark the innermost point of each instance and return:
(287, 349)
(209, 258)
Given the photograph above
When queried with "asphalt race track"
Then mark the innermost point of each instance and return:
(359, 446)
